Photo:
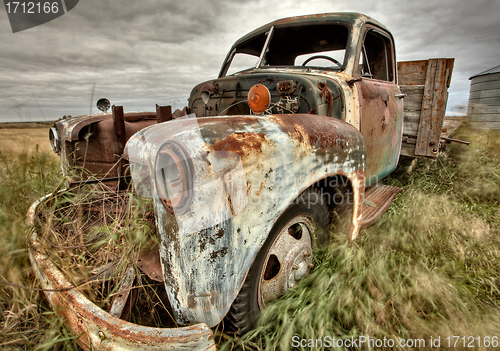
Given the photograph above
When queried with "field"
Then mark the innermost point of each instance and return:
(19, 138)
(428, 269)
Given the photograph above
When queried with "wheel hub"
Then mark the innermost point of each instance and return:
(288, 260)
(300, 268)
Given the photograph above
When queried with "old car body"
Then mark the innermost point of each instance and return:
(223, 171)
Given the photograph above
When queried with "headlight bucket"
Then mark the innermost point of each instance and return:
(55, 141)
(174, 177)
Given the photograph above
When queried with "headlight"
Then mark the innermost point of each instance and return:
(174, 177)
(55, 141)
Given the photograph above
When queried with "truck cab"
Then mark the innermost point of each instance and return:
(338, 65)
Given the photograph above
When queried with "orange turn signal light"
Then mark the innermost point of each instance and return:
(259, 98)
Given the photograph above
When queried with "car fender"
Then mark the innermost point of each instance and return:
(246, 171)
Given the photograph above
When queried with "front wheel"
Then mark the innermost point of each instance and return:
(284, 259)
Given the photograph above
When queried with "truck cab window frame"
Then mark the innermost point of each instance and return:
(377, 56)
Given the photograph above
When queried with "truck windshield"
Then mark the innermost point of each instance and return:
(315, 45)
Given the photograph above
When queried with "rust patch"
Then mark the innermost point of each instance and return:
(219, 234)
(384, 124)
(97, 328)
(262, 185)
(326, 92)
(79, 317)
(149, 263)
(241, 143)
(320, 131)
(222, 252)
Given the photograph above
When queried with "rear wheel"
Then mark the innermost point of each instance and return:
(284, 259)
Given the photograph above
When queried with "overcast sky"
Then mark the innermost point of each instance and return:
(141, 53)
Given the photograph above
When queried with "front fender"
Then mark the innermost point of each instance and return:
(246, 171)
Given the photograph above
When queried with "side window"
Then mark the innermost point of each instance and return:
(376, 60)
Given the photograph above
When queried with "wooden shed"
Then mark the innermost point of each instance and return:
(484, 100)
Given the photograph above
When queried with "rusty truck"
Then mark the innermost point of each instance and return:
(285, 148)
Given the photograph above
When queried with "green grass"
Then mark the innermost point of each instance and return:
(428, 267)
(26, 320)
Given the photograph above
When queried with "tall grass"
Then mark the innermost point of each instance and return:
(26, 321)
(430, 267)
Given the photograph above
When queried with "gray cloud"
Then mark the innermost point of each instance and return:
(146, 52)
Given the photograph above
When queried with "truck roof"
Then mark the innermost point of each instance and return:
(352, 18)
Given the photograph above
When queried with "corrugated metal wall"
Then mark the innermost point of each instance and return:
(484, 100)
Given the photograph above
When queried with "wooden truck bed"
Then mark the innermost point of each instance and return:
(426, 85)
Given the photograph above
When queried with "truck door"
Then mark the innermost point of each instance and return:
(381, 106)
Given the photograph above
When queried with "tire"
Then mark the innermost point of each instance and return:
(284, 259)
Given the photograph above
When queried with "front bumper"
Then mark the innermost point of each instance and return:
(96, 329)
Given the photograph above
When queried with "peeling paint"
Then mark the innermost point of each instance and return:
(277, 157)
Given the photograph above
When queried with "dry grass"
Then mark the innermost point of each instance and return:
(19, 139)
(94, 235)
(429, 267)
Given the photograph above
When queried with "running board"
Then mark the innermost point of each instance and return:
(378, 198)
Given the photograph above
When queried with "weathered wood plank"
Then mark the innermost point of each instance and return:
(408, 149)
(412, 89)
(412, 72)
(450, 63)
(413, 98)
(413, 103)
(433, 107)
(411, 121)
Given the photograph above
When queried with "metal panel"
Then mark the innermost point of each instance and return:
(486, 117)
(479, 108)
(247, 170)
(377, 200)
(484, 94)
(486, 78)
(491, 124)
(381, 125)
(486, 101)
(494, 84)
